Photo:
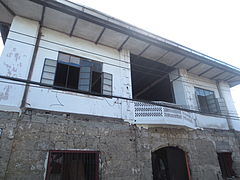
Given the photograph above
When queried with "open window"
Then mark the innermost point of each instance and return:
(150, 80)
(77, 74)
(71, 165)
(206, 101)
(225, 162)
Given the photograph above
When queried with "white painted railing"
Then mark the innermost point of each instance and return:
(154, 114)
(158, 114)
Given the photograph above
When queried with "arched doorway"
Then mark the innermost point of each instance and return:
(170, 163)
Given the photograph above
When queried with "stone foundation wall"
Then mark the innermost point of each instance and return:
(125, 150)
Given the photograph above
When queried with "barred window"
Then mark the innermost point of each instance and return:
(225, 162)
(73, 165)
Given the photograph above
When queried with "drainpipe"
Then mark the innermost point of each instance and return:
(36, 47)
(230, 126)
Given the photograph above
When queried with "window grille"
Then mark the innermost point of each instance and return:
(225, 162)
(73, 165)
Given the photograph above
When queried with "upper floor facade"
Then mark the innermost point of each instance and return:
(60, 56)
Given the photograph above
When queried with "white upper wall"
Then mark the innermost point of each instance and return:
(185, 93)
(114, 62)
(17, 56)
(15, 61)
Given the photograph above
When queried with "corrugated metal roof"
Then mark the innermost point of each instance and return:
(90, 24)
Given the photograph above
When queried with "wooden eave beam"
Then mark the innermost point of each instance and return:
(8, 9)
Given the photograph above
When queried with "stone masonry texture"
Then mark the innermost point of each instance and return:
(125, 150)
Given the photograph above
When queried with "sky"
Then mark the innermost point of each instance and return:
(208, 26)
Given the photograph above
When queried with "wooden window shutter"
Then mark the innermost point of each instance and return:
(49, 70)
(212, 103)
(107, 84)
(84, 78)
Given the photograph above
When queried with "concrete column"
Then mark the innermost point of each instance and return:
(15, 61)
(225, 93)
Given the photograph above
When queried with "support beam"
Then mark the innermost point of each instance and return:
(229, 78)
(4, 23)
(57, 5)
(151, 85)
(42, 16)
(144, 49)
(193, 66)
(8, 9)
(100, 35)
(176, 77)
(73, 27)
(217, 75)
(162, 56)
(124, 42)
(206, 71)
(181, 60)
(36, 47)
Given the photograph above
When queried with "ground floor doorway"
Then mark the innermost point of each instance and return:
(170, 163)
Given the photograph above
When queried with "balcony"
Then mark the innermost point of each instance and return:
(153, 81)
(154, 114)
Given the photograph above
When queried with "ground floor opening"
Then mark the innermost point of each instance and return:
(170, 163)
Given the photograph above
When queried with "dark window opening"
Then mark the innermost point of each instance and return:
(66, 76)
(61, 75)
(225, 162)
(73, 76)
(78, 74)
(170, 163)
(207, 101)
(73, 165)
(96, 82)
(4, 29)
(150, 80)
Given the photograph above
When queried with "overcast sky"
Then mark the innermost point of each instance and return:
(209, 26)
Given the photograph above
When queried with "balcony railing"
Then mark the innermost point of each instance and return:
(154, 114)
(160, 113)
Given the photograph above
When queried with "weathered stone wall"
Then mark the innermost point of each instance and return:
(125, 150)
(8, 123)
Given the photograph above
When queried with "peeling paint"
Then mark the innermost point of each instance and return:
(14, 63)
(5, 94)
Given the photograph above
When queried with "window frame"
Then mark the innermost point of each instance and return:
(66, 82)
(223, 162)
(79, 66)
(97, 161)
(209, 111)
(49, 70)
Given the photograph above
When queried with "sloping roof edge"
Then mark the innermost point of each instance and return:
(107, 21)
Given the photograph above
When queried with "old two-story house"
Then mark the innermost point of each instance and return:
(86, 96)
